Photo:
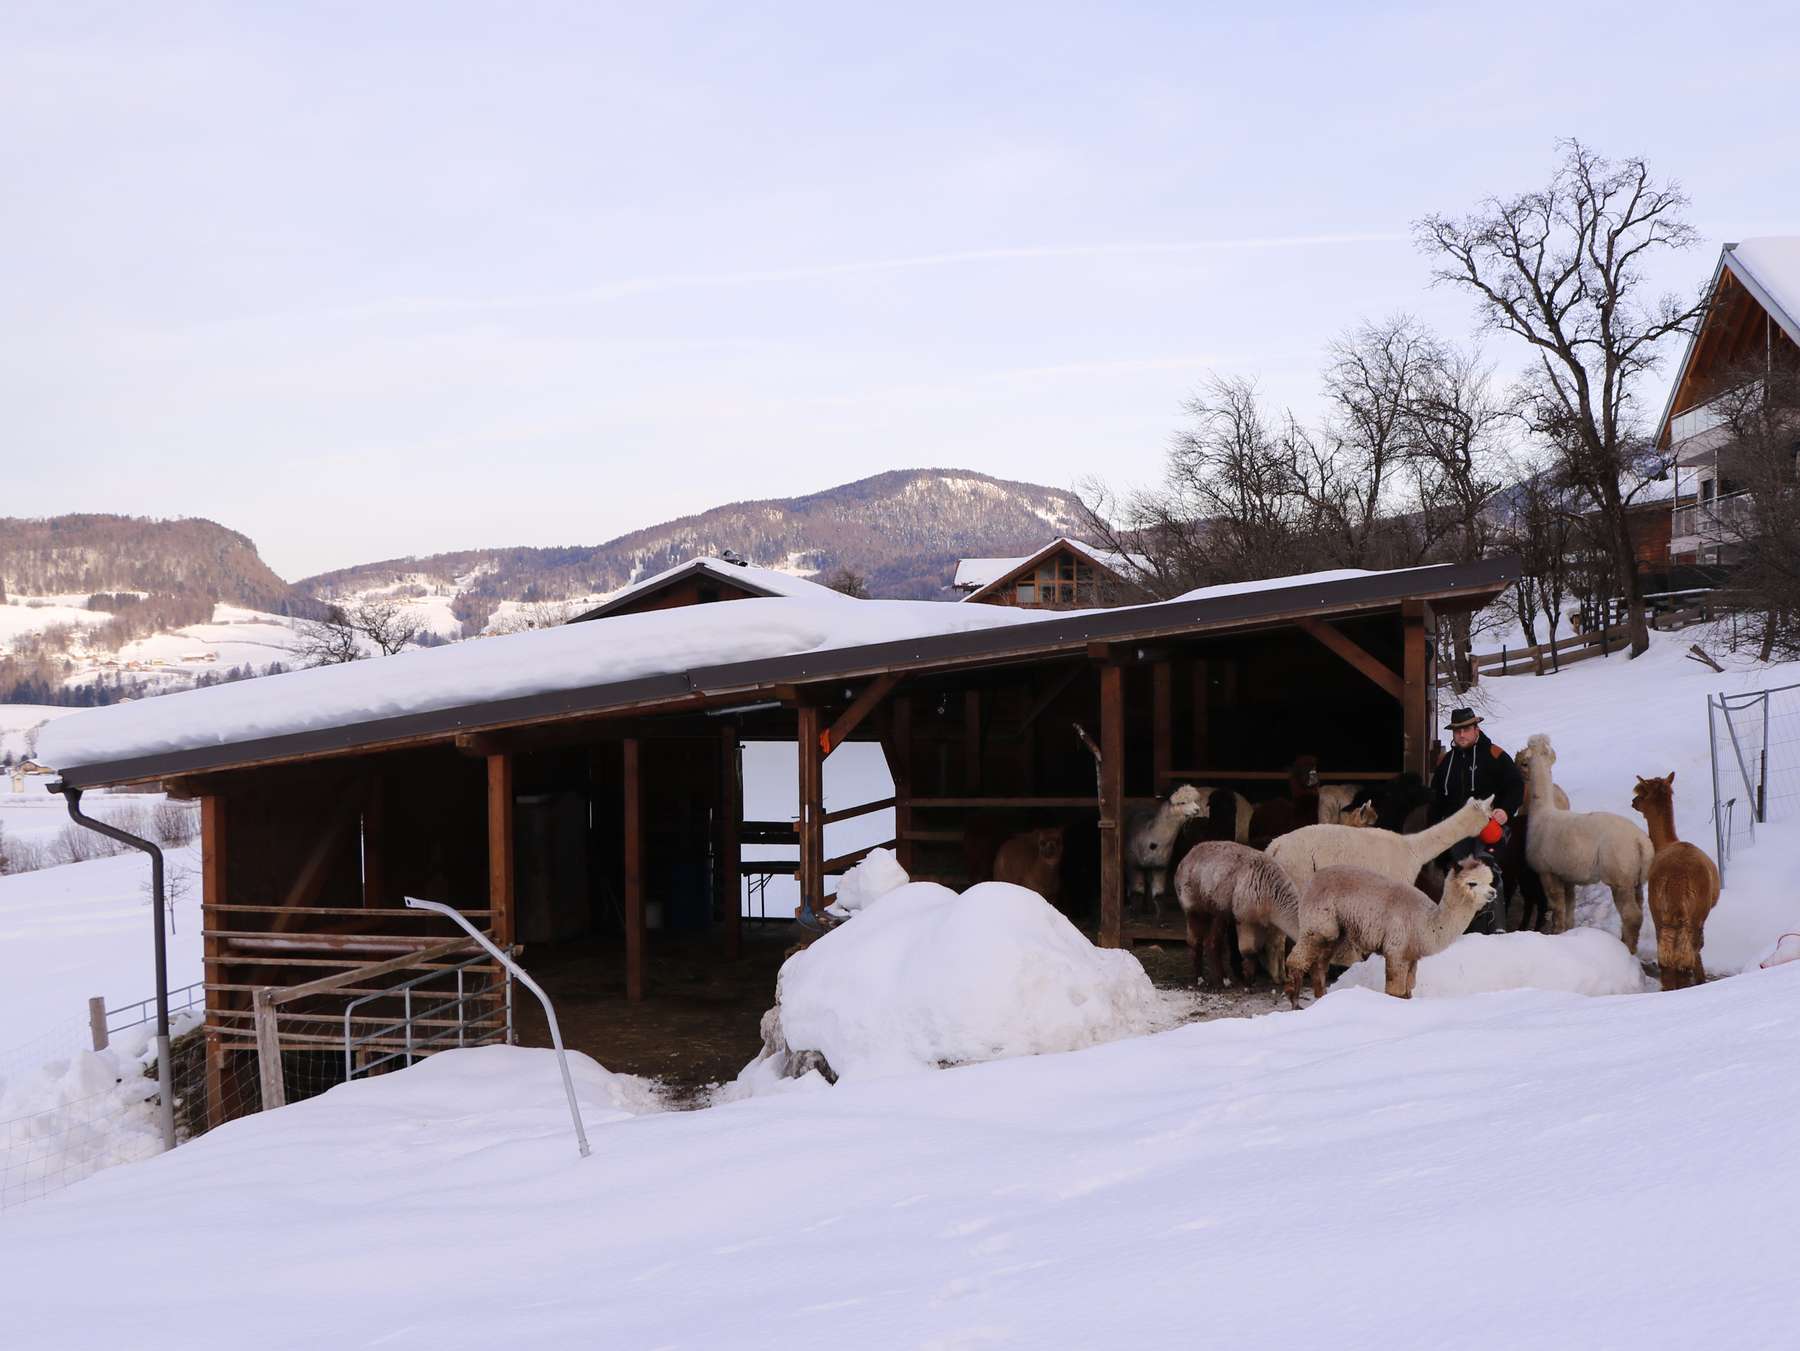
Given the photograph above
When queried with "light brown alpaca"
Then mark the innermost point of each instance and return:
(1358, 912)
(1684, 887)
(1033, 860)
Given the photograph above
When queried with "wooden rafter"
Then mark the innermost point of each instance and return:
(1351, 652)
(851, 718)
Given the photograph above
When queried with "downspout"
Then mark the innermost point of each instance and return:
(164, 1088)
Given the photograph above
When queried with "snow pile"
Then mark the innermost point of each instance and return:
(878, 874)
(1582, 961)
(928, 978)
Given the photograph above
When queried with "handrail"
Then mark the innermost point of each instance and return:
(562, 1056)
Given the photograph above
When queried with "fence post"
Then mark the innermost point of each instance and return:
(1762, 770)
(268, 1051)
(97, 1022)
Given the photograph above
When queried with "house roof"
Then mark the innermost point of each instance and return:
(1768, 268)
(668, 659)
(995, 572)
(747, 577)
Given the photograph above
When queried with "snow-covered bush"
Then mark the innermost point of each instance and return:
(878, 874)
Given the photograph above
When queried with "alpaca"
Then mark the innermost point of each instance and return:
(1684, 887)
(1396, 857)
(1231, 809)
(1395, 801)
(1300, 807)
(1358, 817)
(1336, 799)
(1534, 905)
(1223, 886)
(1363, 912)
(1033, 860)
(1150, 842)
(1569, 849)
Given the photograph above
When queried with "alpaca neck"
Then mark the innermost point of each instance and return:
(1450, 919)
(1538, 789)
(1660, 817)
(1428, 844)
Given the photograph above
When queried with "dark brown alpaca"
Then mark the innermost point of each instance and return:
(1684, 887)
(1299, 808)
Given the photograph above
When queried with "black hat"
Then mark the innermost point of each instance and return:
(1462, 717)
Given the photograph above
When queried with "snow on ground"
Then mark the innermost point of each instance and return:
(1611, 719)
(924, 977)
(18, 722)
(1526, 1169)
(85, 929)
(1581, 961)
(24, 615)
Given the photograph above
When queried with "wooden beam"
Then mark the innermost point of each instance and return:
(632, 753)
(1048, 697)
(213, 893)
(1359, 658)
(851, 718)
(900, 761)
(812, 810)
(374, 844)
(1162, 717)
(730, 844)
(310, 879)
(1112, 793)
(1417, 698)
(972, 741)
(861, 809)
(500, 845)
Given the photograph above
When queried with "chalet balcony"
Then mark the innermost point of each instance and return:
(1722, 520)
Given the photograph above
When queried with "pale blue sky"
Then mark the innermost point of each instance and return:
(365, 280)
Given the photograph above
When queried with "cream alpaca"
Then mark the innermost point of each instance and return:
(1394, 856)
(1570, 849)
(1355, 911)
(1224, 887)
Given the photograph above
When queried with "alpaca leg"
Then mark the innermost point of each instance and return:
(1196, 940)
(1218, 972)
(1248, 940)
(1629, 901)
(1159, 886)
(1558, 893)
(1399, 974)
(1537, 905)
(1274, 954)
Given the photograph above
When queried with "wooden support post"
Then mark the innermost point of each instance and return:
(1162, 715)
(972, 742)
(1416, 702)
(374, 844)
(268, 1052)
(1112, 804)
(1202, 709)
(900, 760)
(212, 894)
(730, 844)
(97, 1022)
(501, 872)
(632, 751)
(812, 811)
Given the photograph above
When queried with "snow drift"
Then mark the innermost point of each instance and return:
(1581, 961)
(927, 978)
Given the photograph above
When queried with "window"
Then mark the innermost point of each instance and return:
(1026, 593)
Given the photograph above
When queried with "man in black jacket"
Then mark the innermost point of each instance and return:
(1475, 767)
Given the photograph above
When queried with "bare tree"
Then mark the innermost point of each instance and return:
(388, 623)
(849, 582)
(327, 641)
(1761, 409)
(1562, 268)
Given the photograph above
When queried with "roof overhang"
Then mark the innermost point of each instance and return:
(1453, 588)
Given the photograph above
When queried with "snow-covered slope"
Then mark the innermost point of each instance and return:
(1521, 1170)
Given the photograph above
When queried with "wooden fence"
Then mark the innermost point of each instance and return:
(1539, 660)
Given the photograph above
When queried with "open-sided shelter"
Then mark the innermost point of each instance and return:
(575, 780)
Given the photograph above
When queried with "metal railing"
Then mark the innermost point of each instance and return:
(141, 1011)
(1721, 520)
(1754, 739)
(448, 1019)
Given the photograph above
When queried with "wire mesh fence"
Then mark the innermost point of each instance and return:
(1755, 739)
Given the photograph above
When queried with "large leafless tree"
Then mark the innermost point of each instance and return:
(1563, 268)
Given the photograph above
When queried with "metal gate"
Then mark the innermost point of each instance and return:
(1755, 742)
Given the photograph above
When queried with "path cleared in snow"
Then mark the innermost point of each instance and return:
(1524, 1169)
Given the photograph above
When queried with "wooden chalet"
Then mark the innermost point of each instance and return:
(1063, 575)
(570, 815)
(702, 581)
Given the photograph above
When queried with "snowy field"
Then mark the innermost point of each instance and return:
(1512, 1170)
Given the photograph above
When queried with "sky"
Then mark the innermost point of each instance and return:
(364, 281)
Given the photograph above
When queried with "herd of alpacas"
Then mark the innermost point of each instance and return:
(1341, 873)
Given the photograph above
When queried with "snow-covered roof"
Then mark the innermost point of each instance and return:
(978, 574)
(766, 581)
(1771, 265)
(644, 659)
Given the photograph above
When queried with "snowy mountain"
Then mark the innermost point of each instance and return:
(903, 531)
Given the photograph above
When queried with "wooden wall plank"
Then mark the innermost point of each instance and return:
(730, 843)
(1112, 804)
(501, 837)
(634, 869)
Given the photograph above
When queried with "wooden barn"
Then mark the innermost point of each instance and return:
(571, 818)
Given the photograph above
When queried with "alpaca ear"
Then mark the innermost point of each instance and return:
(1671, 778)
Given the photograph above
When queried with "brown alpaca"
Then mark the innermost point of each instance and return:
(1684, 887)
(1033, 860)
(1300, 807)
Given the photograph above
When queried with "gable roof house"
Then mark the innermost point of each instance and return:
(701, 581)
(1063, 575)
(1753, 319)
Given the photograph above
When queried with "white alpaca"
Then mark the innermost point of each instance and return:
(1335, 799)
(1150, 842)
(1225, 887)
(1570, 849)
(1357, 911)
(1395, 856)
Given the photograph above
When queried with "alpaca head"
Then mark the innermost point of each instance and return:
(1049, 843)
(1188, 802)
(1654, 794)
(1473, 814)
(1476, 878)
(1537, 752)
(1305, 773)
(1361, 815)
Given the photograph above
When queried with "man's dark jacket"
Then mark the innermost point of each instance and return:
(1481, 770)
